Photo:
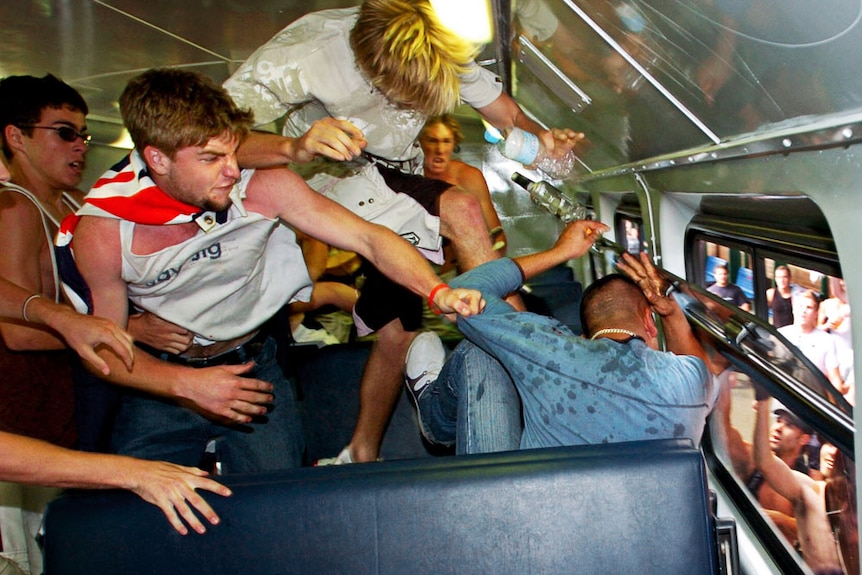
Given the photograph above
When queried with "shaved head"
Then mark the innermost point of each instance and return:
(614, 301)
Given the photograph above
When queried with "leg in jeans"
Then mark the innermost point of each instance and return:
(154, 428)
(473, 404)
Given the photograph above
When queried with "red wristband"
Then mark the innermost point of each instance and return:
(432, 295)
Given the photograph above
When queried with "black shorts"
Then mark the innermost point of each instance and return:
(382, 300)
(426, 191)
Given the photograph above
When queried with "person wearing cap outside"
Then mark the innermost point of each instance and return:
(789, 439)
(806, 494)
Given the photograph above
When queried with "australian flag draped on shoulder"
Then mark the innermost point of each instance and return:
(124, 192)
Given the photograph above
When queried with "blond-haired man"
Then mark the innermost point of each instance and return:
(357, 84)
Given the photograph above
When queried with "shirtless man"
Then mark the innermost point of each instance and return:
(439, 139)
(805, 494)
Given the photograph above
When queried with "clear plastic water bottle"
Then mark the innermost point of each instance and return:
(526, 148)
(544, 194)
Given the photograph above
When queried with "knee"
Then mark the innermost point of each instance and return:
(460, 209)
(393, 338)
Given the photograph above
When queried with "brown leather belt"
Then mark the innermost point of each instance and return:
(236, 356)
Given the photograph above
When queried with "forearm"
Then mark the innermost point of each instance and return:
(40, 310)
(504, 114)
(534, 264)
(399, 261)
(12, 299)
(148, 374)
(679, 336)
(31, 461)
(495, 279)
(574, 241)
(266, 150)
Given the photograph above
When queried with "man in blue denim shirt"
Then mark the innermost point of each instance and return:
(615, 386)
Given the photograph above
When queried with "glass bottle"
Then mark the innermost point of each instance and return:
(544, 194)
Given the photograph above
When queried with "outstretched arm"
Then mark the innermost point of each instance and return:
(779, 476)
(575, 241)
(504, 113)
(168, 486)
(282, 193)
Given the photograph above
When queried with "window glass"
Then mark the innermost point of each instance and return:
(796, 348)
(797, 470)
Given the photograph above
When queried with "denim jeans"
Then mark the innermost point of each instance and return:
(473, 404)
(151, 427)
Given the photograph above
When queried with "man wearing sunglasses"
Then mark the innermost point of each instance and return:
(45, 139)
(43, 123)
(44, 129)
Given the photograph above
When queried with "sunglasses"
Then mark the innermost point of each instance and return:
(66, 133)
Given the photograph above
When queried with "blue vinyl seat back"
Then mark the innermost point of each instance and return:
(745, 281)
(625, 508)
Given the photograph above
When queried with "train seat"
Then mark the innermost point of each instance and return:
(639, 507)
(745, 281)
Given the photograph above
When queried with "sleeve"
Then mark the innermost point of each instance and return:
(700, 386)
(495, 279)
(536, 19)
(480, 87)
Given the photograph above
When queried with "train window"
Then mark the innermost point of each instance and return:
(788, 387)
(630, 234)
(787, 280)
(805, 437)
(795, 462)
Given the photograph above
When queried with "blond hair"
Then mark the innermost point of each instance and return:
(450, 122)
(171, 109)
(409, 56)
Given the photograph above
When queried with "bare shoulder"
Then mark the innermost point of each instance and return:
(468, 177)
(17, 205)
(20, 222)
(96, 234)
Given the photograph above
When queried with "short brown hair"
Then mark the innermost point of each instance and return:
(407, 54)
(171, 109)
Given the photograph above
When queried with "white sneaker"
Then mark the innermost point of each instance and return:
(342, 458)
(425, 359)
(319, 337)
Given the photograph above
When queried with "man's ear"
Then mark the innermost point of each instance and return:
(14, 136)
(156, 160)
(650, 327)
